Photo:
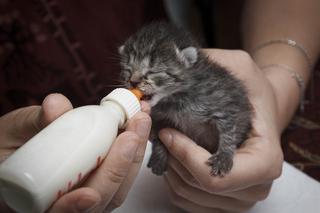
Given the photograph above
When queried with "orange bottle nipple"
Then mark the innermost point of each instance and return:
(138, 93)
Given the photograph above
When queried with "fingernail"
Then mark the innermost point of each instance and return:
(86, 204)
(166, 137)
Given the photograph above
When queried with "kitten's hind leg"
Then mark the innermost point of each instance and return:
(221, 161)
(159, 157)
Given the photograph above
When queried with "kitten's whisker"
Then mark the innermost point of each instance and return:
(115, 85)
(113, 54)
(113, 58)
(118, 81)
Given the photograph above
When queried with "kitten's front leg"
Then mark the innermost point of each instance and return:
(159, 157)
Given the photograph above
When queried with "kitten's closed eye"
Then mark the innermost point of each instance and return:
(188, 92)
(153, 71)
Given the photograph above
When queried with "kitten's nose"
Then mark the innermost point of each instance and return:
(134, 83)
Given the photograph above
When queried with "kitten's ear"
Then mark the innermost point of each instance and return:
(188, 55)
(121, 49)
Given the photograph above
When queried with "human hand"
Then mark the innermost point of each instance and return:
(256, 163)
(104, 189)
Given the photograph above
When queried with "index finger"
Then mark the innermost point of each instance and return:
(248, 168)
(107, 179)
(140, 124)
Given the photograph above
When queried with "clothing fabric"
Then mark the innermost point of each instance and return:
(68, 47)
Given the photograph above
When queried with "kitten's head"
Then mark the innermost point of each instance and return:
(153, 61)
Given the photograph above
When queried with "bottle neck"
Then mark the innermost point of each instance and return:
(117, 110)
(126, 99)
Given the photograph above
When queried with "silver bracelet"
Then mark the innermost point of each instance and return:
(289, 42)
(295, 76)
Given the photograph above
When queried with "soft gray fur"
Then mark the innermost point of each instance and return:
(188, 92)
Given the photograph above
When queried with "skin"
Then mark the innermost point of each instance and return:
(190, 185)
(259, 161)
(298, 20)
(107, 187)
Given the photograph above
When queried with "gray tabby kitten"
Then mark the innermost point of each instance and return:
(186, 91)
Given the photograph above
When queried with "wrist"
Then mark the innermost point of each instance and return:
(285, 68)
(287, 94)
(294, 76)
(281, 53)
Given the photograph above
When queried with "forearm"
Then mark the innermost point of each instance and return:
(278, 19)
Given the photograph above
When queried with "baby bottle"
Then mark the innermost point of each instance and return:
(62, 154)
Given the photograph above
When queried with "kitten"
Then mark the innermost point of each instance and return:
(186, 91)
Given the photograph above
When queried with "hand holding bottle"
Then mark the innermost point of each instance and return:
(109, 184)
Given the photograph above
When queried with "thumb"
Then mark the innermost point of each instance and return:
(185, 150)
(53, 106)
(25, 122)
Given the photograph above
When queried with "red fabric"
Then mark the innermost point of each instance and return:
(68, 47)
(71, 47)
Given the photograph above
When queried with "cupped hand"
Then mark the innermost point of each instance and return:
(106, 188)
(256, 163)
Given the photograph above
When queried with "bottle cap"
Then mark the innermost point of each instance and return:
(126, 99)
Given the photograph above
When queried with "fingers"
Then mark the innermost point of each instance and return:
(251, 166)
(184, 174)
(185, 204)
(19, 124)
(53, 106)
(251, 194)
(189, 154)
(80, 200)
(141, 125)
(203, 198)
(113, 179)
(107, 179)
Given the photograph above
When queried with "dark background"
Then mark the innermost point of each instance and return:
(70, 47)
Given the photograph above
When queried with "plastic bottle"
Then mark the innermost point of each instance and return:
(63, 153)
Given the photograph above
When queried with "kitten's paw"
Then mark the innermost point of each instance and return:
(158, 162)
(221, 163)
